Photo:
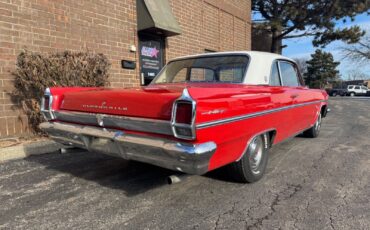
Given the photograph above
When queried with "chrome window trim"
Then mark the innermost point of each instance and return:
(252, 115)
(279, 70)
(296, 70)
(122, 122)
(275, 63)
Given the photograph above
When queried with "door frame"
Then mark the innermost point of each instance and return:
(145, 37)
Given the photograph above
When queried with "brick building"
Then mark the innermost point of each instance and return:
(120, 29)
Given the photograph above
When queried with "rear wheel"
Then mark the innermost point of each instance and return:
(314, 130)
(251, 167)
(352, 94)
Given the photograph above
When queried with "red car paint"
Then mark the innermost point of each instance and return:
(213, 102)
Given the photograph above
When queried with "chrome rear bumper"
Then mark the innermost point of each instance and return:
(166, 153)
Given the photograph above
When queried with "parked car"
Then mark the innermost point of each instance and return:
(336, 92)
(200, 113)
(357, 90)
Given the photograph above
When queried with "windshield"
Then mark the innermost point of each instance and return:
(223, 69)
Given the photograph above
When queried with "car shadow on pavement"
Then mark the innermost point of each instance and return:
(131, 177)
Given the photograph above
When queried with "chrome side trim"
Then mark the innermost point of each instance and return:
(252, 115)
(121, 122)
(167, 153)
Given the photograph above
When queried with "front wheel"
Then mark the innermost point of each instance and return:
(352, 94)
(251, 167)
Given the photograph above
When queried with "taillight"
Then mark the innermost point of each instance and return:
(184, 112)
(183, 117)
(46, 104)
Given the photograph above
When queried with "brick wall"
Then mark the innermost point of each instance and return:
(109, 27)
(217, 25)
(106, 26)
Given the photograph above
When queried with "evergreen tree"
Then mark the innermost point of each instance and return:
(296, 18)
(321, 69)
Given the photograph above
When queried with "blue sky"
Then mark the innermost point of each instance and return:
(302, 47)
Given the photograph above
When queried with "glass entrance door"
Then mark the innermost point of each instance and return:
(151, 57)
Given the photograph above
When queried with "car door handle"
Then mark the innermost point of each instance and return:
(294, 96)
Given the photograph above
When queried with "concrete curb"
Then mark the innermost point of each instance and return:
(28, 149)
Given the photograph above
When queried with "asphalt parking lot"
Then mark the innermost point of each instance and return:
(321, 183)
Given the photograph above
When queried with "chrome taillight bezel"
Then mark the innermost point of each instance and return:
(185, 98)
(47, 113)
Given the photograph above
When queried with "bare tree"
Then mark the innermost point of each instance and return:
(359, 52)
(286, 19)
(302, 65)
(353, 75)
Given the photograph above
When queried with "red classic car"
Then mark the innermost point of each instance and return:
(200, 113)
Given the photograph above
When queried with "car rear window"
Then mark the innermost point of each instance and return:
(223, 69)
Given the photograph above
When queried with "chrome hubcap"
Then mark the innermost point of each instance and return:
(318, 124)
(255, 151)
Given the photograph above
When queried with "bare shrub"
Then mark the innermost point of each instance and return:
(35, 72)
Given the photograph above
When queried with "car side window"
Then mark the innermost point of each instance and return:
(289, 74)
(357, 87)
(231, 74)
(363, 87)
(201, 74)
(180, 76)
(274, 76)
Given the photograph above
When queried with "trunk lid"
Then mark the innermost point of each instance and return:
(147, 102)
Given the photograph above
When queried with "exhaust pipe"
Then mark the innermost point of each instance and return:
(68, 149)
(174, 179)
(63, 150)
